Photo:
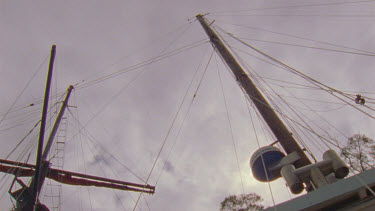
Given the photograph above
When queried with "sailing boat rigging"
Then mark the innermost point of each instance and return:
(27, 197)
(268, 163)
(134, 121)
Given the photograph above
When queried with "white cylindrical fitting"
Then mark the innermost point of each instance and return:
(318, 178)
(340, 168)
(294, 183)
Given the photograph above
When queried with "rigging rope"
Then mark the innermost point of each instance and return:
(296, 6)
(165, 139)
(94, 141)
(256, 137)
(230, 126)
(143, 63)
(310, 47)
(303, 38)
(265, 92)
(311, 80)
(313, 15)
(186, 114)
(19, 95)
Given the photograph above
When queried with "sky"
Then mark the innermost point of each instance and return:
(149, 87)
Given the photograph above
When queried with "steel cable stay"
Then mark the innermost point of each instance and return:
(26, 118)
(298, 114)
(230, 125)
(308, 138)
(114, 97)
(143, 63)
(315, 133)
(321, 117)
(261, 88)
(145, 66)
(99, 151)
(39, 102)
(119, 72)
(23, 90)
(71, 173)
(351, 96)
(327, 140)
(168, 132)
(320, 111)
(307, 99)
(275, 107)
(177, 32)
(22, 114)
(283, 82)
(162, 55)
(300, 140)
(27, 149)
(255, 77)
(22, 140)
(257, 139)
(91, 138)
(187, 111)
(308, 47)
(301, 38)
(83, 155)
(36, 124)
(305, 15)
(83, 131)
(294, 6)
(278, 107)
(95, 142)
(167, 135)
(324, 87)
(310, 100)
(286, 67)
(346, 93)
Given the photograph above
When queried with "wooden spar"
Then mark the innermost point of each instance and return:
(27, 196)
(73, 178)
(45, 164)
(57, 123)
(278, 128)
(42, 125)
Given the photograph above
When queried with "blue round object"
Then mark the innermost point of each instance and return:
(271, 156)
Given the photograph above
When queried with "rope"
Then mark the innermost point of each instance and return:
(311, 80)
(142, 64)
(296, 6)
(264, 166)
(310, 47)
(230, 127)
(19, 95)
(303, 38)
(94, 141)
(165, 139)
(187, 112)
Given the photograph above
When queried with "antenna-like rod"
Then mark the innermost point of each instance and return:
(278, 128)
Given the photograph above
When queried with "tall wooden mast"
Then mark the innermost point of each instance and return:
(278, 128)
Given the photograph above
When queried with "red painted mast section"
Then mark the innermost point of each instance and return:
(73, 178)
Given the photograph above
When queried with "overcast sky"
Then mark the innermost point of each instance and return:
(128, 115)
